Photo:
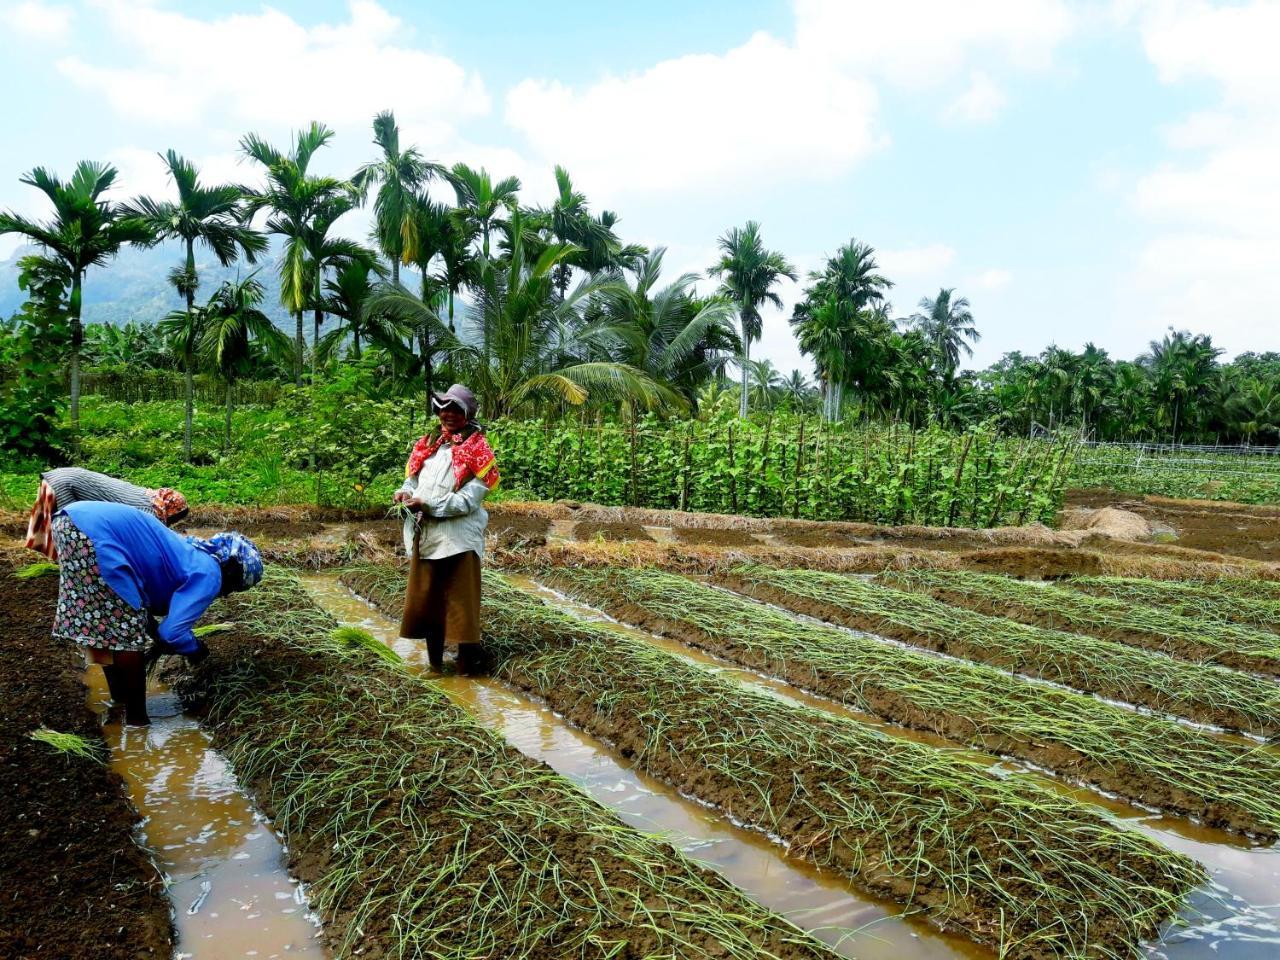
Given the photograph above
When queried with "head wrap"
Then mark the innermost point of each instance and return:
(168, 504)
(233, 546)
(471, 454)
(464, 398)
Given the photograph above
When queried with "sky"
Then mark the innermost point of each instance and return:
(1091, 171)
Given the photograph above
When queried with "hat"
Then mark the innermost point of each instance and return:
(460, 395)
(233, 546)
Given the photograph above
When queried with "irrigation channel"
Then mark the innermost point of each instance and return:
(1238, 920)
(231, 893)
(855, 925)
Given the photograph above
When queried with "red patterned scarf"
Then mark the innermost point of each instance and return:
(39, 532)
(472, 456)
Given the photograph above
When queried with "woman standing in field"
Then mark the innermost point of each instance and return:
(67, 485)
(450, 472)
(119, 569)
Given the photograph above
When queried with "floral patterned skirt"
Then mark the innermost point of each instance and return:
(89, 611)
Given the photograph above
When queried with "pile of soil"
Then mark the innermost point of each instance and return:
(73, 883)
(509, 530)
(606, 530)
(1108, 521)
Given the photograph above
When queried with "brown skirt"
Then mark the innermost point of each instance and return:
(442, 605)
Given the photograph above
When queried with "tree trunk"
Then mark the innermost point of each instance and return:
(424, 346)
(395, 270)
(452, 329)
(188, 359)
(77, 338)
(319, 317)
(226, 437)
(746, 357)
(355, 343)
(299, 347)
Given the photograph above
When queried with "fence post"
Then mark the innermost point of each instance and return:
(684, 482)
(795, 506)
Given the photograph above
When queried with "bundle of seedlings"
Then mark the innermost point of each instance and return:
(1151, 760)
(422, 834)
(1000, 859)
(1197, 600)
(1121, 621)
(923, 614)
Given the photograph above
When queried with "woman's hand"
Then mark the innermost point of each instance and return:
(400, 497)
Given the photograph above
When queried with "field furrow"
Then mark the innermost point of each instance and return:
(422, 833)
(1058, 608)
(1198, 692)
(1141, 758)
(1000, 858)
(1196, 600)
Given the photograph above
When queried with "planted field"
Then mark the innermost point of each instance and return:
(1001, 859)
(1199, 601)
(423, 834)
(1197, 692)
(1141, 758)
(1058, 608)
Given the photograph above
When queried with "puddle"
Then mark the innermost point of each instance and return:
(1240, 917)
(855, 925)
(232, 895)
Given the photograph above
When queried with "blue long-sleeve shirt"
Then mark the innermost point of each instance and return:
(150, 567)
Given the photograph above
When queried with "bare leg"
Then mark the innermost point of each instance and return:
(114, 684)
(132, 677)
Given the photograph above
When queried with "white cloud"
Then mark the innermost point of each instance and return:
(267, 69)
(914, 262)
(37, 21)
(920, 43)
(1216, 198)
(993, 279)
(981, 103)
(761, 110)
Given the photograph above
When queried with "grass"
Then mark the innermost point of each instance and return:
(1150, 627)
(41, 568)
(1196, 600)
(912, 615)
(425, 835)
(1002, 859)
(1141, 758)
(69, 744)
(362, 642)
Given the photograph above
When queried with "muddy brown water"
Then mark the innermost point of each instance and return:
(854, 924)
(1237, 919)
(231, 892)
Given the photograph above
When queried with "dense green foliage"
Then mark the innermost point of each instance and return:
(1196, 474)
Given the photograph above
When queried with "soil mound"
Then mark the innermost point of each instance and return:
(1110, 522)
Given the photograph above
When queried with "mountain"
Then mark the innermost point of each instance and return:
(135, 285)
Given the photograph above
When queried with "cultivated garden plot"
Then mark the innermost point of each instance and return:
(422, 833)
(1205, 694)
(1046, 605)
(1001, 859)
(1147, 759)
(1195, 600)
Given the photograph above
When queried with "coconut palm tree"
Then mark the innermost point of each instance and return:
(481, 201)
(947, 322)
(797, 390)
(211, 216)
(400, 175)
(302, 207)
(86, 231)
(767, 383)
(232, 322)
(748, 275)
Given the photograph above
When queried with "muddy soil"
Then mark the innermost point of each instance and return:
(788, 774)
(507, 530)
(711, 536)
(1239, 529)
(434, 813)
(598, 530)
(74, 885)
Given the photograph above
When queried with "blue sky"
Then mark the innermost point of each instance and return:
(1082, 171)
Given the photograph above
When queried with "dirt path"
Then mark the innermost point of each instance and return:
(73, 883)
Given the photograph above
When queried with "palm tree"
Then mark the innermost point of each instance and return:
(947, 322)
(232, 322)
(1183, 371)
(211, 216)
(349, 294)
(86, 231)
(302, 208)
(797, 390)
(480, 200)
(749, 273)
(400, 176)
(766, 383)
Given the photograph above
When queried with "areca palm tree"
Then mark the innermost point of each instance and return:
(400, 175)
(481, 201)
(211, 216)
(349, 294)
(232, 322)
(947, 322)
(302, 207)
(86, 231)
(748, 275)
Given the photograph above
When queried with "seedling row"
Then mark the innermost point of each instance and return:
(1006, 861)
(1197, 600)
